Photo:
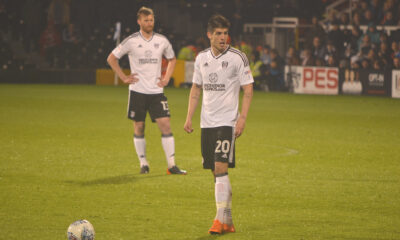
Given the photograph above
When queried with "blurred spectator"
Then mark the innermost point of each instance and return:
(71, 35)
(388, 19)
(256, 67)
(395, 49)
(318, 50)
(351, 41)
(373, 34)
(330, 50)
(336, 36)
(377, 65)
(396, 63)
(367, 18)
(365, 64)
(308, 59)
(319, 62)
(331, 62)
(376, 9)
(291, 57)
(344, 19)
(59, 13)
(365, 45)
(50, 42)
(384, 53)
(265, 55)
(356, 19)
(315, 31)
(188, 52)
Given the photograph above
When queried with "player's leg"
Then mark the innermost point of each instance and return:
(223, 191)
(159, 113)
(140, 146)
(137, 113)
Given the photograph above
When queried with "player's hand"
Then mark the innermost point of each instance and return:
(162, 83)
(130, 79)
(188, 126)
(239, 127)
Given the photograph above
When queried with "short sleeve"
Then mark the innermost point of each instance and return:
(168, 51)
(197, 73)
(121, 49)
(245, 76)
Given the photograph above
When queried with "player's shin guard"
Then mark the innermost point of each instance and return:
(168, 143)
(140, 146)
(222, 195)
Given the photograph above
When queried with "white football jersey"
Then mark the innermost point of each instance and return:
(145, 58)
(221, 77)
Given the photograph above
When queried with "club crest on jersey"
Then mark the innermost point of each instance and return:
(156, 45)
(140, 46)
(213, 77)
(224, 64)
(205, 65)
(148, 54)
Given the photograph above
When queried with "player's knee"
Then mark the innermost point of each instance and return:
(220, 168)
(139, 129)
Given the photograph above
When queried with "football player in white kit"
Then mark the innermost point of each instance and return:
(220, 71)
(145, 50)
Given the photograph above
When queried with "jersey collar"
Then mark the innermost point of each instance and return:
(152, 35)
(216, 57)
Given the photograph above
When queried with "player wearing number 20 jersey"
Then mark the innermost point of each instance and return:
(219, 73)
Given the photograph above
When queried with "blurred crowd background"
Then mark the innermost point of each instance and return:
(78, 34)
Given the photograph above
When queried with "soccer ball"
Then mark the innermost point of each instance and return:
(80, 230)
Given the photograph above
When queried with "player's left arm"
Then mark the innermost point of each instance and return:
(246, 101)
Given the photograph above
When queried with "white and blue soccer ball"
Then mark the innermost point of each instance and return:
(81, 230)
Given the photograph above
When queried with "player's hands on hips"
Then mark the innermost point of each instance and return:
(131, 78)
(162, 83)
(239, 127)
(188, 126)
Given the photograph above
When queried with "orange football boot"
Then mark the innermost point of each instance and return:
(216, 228)
(228, 228)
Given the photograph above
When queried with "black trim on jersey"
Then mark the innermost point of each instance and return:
(225, 51)
(242, 55)
(133, 35)
(152, 35)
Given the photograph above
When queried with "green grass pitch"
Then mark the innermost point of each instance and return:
(308, 167)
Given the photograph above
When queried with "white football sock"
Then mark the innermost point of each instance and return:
(222, 194)
(168, 143)
(228, 210)
(140, 146)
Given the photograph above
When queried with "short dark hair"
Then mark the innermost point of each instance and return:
(217, 21)
(145, 11)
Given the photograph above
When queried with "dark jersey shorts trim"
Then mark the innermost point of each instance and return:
(218, 145)
(139, 104)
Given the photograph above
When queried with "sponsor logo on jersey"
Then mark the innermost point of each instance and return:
(213, 77)
(140, 46)
(213, 87)
(224, 64)
(205, 65)
(148, 53)
(156, 45)
(148, 59)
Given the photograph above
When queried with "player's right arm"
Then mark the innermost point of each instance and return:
(114, 64)
(194, 97)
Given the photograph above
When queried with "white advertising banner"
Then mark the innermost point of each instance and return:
(396, 83)
(313, 80)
